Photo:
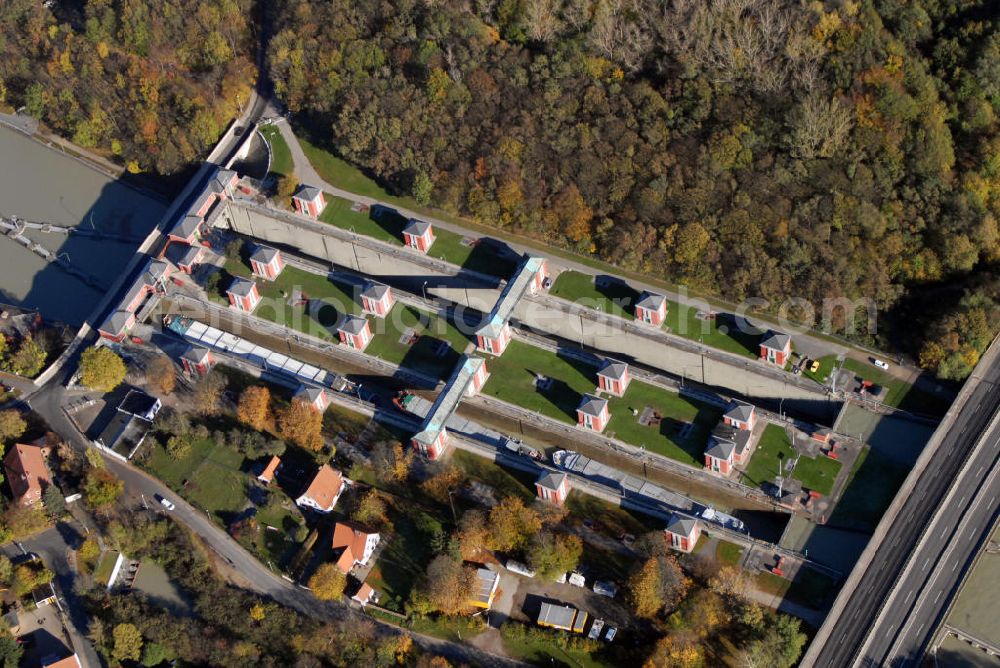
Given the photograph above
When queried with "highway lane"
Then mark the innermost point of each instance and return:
(859, 617)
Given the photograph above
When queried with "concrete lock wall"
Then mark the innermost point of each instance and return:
(542, 313)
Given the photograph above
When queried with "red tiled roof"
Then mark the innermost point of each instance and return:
(26, 471)
(326, 486)
(352, 540)
(272, 466)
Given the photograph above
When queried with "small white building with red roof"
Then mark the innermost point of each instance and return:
(197, 360)
(651, 308)
(352, 546)
(309, 201)
(27, 473)
(355, 331)
(267, 475)
(377, 299)
(243, 295)
(419, 235)
(682, 532)
(613, 377)
(592, 413)
(552, 486)
(266, 262)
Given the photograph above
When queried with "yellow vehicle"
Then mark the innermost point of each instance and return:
(814, 367)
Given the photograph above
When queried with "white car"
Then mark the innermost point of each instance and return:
(167, 504)
(881, 364)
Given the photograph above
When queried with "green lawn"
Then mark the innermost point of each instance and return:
(385, 228)
(327, 300)
(281, 157)
(505, 482)
(209, 477)
(873, 483)
(512, 379)
(455, 629)
(436, 351)
(900, 393)
(814, 473)
(104, 567)
(617, 298)
(448, 246)
(543, 649)
(403, 560)
(826, 365)
(609, 519)
(728, 554)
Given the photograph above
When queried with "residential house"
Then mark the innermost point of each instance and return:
(266, 262)
(197, 361)
(592, 413)
(563, 617)
(352, 546)
(740, 415)
(418, 235)
(117, 326)
(243, 295)
(267, 475)
(613, 377)
(140, 404)
(775, 347)
(355, 332)
(309, 201)
(223, 184)
(323, 491)
(377, 299)
(553, 486)
(27, 473)
(314, 396)
(651, 308)
(365, 595)
(682, 532)
(487, 583)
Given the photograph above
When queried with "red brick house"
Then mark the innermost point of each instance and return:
(224, 183)
(493, 336)
(354, 545)
(187, 230)
(418, 235)
(135, 296)
(651, 308)
(552, 486)
(266, 262)
(682, 533)
(314, 396)
(592, 413)
(431, 442)
(613, 377)
(309, 201)
(740, 415)
(203, 205)
(117, 326)
(477, 368)
(726, 447)
(377, 299)
(540, 266)
(323, 491)
(243, 295)
(189, 259)
(197, 361)
(27, 473)
(775, 348)
(156, 275)
(355, 332)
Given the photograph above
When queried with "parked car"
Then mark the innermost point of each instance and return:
(814, 367)
(595, 629)
(166, 503)
(609, 635)
(605, 588)
(577, 580)
(881, 364)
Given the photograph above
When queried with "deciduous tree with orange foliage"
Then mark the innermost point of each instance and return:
(254, 407)
(301, 424)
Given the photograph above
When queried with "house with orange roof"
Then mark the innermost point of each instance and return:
(267, 475)
(323, 491)
(365, 594)
(27, 473)
(71, 661)
(354, 544)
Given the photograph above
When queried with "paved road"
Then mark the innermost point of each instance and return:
(896, 604)
(54, 546)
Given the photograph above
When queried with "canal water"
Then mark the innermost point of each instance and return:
(43, 185)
